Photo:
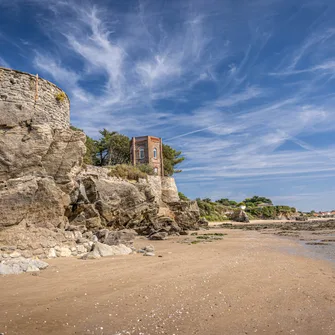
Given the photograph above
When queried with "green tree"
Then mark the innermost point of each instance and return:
(112, 148)
(90, 157)
(227, 202)
(223, 201)
(171, 158)
(256, 200)
(118, 149)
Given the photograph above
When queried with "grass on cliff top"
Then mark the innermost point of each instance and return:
(130, 172)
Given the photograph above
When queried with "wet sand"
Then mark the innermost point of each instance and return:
(317, 235)
(255, 222)
(243, 284)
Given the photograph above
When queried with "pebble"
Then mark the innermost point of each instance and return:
(149, 254)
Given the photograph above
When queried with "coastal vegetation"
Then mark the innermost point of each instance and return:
(256, 208)
(171, 158)
(213, 210)
(130, 172)
(60, 97)
(112, 148)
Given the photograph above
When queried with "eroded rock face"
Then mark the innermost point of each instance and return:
(186, 214)
(120, 204)
(34, 200)
(39, 150)
(37, 174)
(39, 159)
(111, 202)
(38, 163)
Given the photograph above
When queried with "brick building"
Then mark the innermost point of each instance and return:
(148, 150)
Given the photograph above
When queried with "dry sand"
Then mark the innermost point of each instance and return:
(244, 284)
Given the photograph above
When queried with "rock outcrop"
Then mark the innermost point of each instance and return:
(101, 201)
(39, 154)
(239, 216)
(40, 157)
(49, 205)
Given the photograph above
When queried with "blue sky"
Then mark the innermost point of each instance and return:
(245, 89)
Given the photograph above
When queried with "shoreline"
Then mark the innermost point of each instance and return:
(318, 240)
(215, 223)
(246, 282)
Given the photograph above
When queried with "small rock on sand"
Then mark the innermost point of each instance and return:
(20, 265)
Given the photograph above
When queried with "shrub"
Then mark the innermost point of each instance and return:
(212, 211)
(128, 172)
(216, 218)
(182, 196)
(269, 212)
(146, 168)
(60, 97)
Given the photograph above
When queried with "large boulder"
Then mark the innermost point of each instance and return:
(20, 264)
(104, 250)
(239, 216)
(124, 236)
(186, 214)
(158, 236)
(203, 223)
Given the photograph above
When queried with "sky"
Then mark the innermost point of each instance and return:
(244, 88)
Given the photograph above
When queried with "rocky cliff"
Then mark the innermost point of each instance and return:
(146, 206)
(49, 205)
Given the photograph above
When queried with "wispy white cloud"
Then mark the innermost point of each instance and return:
(227, 85)
(234, 99)
(4, 63)
(312, 41)
(327, 67)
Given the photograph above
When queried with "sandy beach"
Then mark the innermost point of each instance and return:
(246, 283)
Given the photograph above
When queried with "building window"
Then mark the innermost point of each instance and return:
(141, 153)
(155, 153)
(156, 170)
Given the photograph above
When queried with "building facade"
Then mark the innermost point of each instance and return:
(148, 150)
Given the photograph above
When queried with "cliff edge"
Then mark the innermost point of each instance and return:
(49, 205)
